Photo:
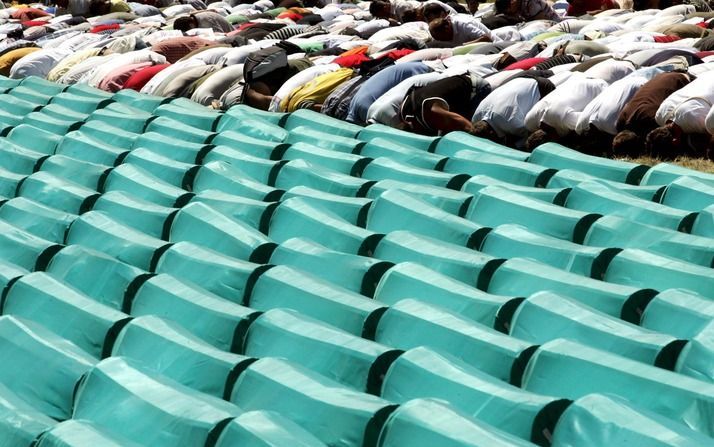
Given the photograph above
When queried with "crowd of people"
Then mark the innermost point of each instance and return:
(605, 76)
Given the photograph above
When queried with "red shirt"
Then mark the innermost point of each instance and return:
(177, 47)
(665, 39)
(100, 28)
(139, 79)
(350, 61)
(526, 64)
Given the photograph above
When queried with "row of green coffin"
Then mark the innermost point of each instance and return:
(98, 231)
(556, 153)
(149, 404)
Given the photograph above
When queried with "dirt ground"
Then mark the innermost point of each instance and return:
(699, 164)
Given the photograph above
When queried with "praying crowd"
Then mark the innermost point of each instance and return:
(608, 77)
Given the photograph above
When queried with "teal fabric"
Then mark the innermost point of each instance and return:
(387, 169)
(201, 224)
(412, 280)
(259, 169)
(500, 168)
(494, 206)
(697, 357)
(408, 139)
(82, 146)
(398, 210)
(297, 216)
(9, 272)
(265, 428)
(323, 123)
(597, 198)
(454, 142)
(121, 117)
(35, 138)
(251, 145)
(91, 92)
(140, 183)
(410, 323)
(61, 112)
(554, 155)
(333, 413)
(80, 103)
(17, 106)
(76, 433)
(574, 370)
(510, 241)
(20, 423)
(116, 390)
(93, 273)
(180, 130)
(290, 288)
(303, 173)
(356, 273)
(32, 348)
(52, 124)
(639, 268)
(666, 173)
(704, 223)
(201, 118)
(22, 247)
(253, 128)
(422, 372)
(678, 312)
(133, 98)
(209, 317)
(453, 202)
(464, 264)
(224, 177)
(335, 354)
(19, 160)
(243, 111)
(613, 231)
(568, 178)
(552, 195)
(427, 422)
(545, 316)
(225, 276)
(29, 94)
(95, 229)
(525, 276)
(81, 172)
(247, 211)
(130, 210)
(689, 194)
(352, 209)
(172, 351)
(382, 147)
(323, 139)
(42, 86)
(41, 298)
(344, 163)
(168, 146)
(161, 167)
(609, 420)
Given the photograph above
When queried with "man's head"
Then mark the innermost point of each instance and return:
(99, 8)
(433, 11)
(380, 9)
(537, 138)
(441, 29)
(412, 15)
(473, 5)
(484, 130)
(185, 23)
(627, 144)
(662, 142)
(508, 7)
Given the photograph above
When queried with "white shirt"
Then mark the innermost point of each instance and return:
(385, 109)
(38, 63)
(562, 107)
(610, 70)
(467, 28)
(505, 108)
(689, 106)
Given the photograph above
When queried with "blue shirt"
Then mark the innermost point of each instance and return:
(378, 85)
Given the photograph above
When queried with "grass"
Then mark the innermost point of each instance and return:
(700, 164)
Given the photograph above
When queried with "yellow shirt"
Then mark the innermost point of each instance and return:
(8, 59)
